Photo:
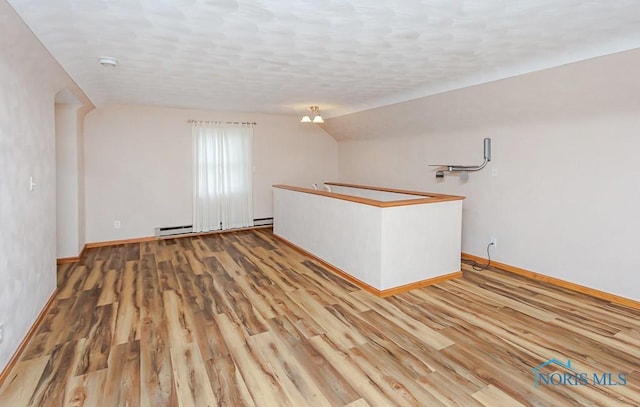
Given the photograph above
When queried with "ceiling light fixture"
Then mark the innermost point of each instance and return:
(315, 112)
(108, 61)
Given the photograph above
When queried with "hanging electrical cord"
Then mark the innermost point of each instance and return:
(478, 267)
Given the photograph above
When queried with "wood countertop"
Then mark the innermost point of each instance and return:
(420, 197)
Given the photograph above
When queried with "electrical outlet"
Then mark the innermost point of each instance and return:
(1, 331)
(494, 242)
(116, 224)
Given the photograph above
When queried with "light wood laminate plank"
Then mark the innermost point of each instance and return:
(241, 319)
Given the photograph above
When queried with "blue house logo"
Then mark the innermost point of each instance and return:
(554, 372)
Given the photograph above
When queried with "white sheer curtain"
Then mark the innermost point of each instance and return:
(223, 173)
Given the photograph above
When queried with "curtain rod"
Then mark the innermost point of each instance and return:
(217, 121)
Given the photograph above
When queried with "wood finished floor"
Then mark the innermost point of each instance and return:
(241, 319)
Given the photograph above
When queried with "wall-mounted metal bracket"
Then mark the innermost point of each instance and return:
(466, 168)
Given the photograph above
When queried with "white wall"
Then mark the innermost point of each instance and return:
(29, 81)
(70, 222)
(138, 165)
(383, 247)
(82, 221)
(343, 233)
(566, 199)
(67, 221)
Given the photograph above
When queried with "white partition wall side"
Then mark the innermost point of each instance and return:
(384, 239)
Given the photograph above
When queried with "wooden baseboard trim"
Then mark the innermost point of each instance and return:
(217, 232)
(153, 238)
(419, 284)
(75, 259)
(602, 295)
(380, 293)
(82, 252)
(32, 331)
(65, 260)
(93, 245)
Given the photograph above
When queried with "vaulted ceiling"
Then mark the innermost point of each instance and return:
(345, 56)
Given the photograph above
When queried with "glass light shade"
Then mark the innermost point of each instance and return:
(318, 119)
(305, 119)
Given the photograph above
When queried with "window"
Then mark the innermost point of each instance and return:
(223, 175)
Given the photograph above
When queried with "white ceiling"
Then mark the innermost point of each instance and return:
(276, 56)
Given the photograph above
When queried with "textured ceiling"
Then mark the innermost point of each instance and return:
(276, 56)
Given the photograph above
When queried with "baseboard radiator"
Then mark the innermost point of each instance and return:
(181, 230)
(263, 222)
(173, 230)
